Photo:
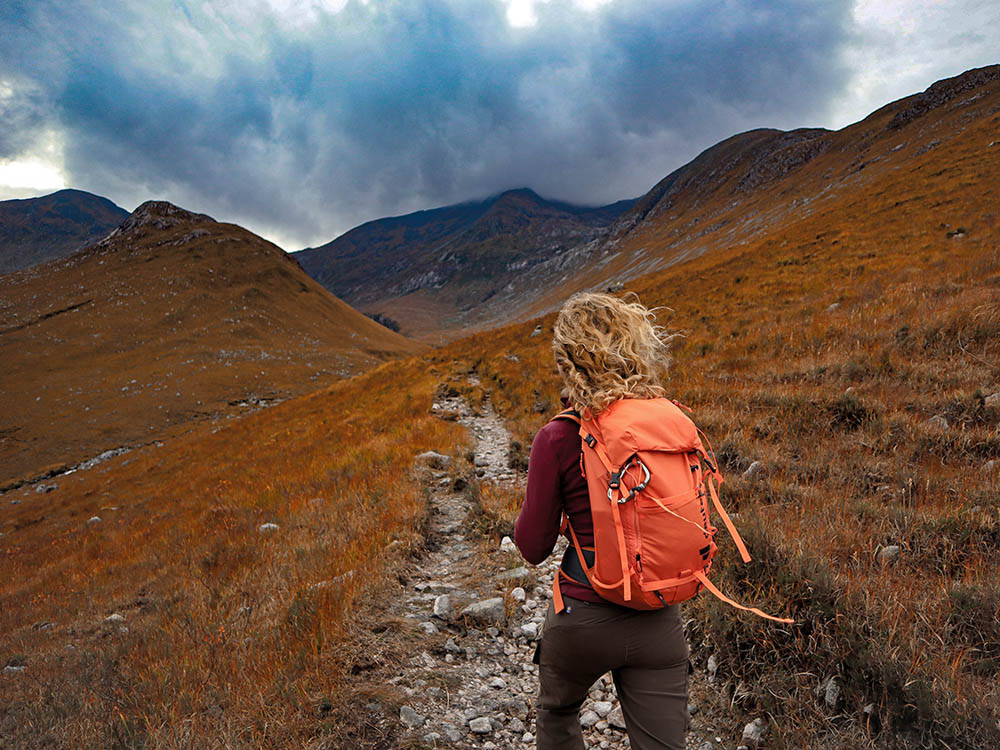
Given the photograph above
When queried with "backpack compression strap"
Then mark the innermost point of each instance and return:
(595, 445)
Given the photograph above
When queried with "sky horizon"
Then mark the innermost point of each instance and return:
(301, 120)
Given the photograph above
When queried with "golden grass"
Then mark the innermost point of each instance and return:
(230, 641)
(125, 344)
(229, 646)
(767, 364)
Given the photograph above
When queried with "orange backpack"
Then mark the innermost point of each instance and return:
(649, 479)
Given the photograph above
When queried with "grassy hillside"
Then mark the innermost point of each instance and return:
(173, 319)
(232, 636)
(856, 355)
(835, 402)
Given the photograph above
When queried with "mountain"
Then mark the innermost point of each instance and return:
(39, 229)
(940, 145)
(451, 267)
(444, 272)
(841, 357)
(172, 317)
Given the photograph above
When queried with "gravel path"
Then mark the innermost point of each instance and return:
(474, 683)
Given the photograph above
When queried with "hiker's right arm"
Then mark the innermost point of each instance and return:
(537, 526)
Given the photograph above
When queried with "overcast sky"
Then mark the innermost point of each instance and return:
(300, 119)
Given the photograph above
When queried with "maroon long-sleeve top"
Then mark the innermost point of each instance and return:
(555, 485)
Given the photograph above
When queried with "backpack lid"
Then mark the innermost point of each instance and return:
(630, 425)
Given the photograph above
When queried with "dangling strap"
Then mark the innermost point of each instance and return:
(622, 554)
(711, 478)
(557, 600)
(703, 579)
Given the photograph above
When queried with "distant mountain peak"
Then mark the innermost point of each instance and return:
(522, 192)
(160, 215)
(34, 230)
(153, 215)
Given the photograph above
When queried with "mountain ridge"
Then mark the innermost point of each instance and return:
(171, 318)
(451, 257)
(33, 230)
(726, 196)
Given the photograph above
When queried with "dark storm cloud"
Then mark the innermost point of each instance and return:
(302, 128)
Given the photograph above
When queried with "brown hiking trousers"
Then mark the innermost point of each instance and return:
(647, 655)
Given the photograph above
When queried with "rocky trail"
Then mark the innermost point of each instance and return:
(480, 610)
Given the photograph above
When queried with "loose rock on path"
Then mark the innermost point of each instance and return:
(480, 613)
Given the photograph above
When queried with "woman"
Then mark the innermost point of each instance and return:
(605, 349)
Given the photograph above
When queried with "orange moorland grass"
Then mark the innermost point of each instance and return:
(235, 637)
(828, 372)
(228, 644)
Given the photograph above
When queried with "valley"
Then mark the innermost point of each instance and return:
(263, 576)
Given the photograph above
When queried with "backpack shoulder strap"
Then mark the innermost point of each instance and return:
(569, 415)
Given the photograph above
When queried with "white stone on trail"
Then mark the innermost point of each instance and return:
(94, 519)
(487, 611)
(114, 618)
(753, 470)
(616, 718)
(510, 575)
(518, 594)
(507, 544)
(480, 725)
(266, 528)
(433, 459)
(602, 708)
(753, 733)
(442, 607)
(11, 669)
(410, 717)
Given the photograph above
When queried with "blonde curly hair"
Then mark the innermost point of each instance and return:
(607, 349)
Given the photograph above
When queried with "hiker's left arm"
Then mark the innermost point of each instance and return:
(537, 526)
